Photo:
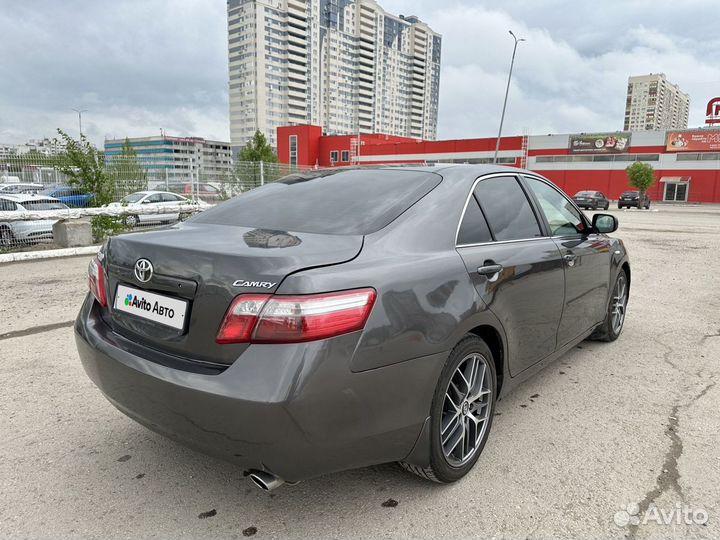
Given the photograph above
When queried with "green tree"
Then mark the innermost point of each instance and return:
(84, 166)
(252, 167)
(126, 172)
(258, 149)
(641, 176)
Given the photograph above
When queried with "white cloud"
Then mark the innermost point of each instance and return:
(140, 65)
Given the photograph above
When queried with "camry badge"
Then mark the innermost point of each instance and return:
(261, 284)
(143, 270)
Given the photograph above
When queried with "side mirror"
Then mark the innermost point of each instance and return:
(604, 223)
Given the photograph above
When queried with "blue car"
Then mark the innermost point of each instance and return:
(70, 196)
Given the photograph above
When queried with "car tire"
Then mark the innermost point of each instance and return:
(609, 330)
(607, 206)
(453, 416)
(132, 221)
(7, 238)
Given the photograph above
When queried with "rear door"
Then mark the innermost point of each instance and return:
(516, 269)
(170, 199)
(586, 257)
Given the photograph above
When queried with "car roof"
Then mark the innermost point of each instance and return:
(26, 197)
(151, 192)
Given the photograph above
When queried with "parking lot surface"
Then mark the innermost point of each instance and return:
(631, 422)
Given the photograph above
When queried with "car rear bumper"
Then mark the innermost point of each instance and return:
(294, 410)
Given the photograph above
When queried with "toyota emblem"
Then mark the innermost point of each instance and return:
(143, 270)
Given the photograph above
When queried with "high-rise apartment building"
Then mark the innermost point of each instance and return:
(345, 65)
(655, 103)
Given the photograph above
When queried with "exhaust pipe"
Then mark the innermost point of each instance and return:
(265, 480)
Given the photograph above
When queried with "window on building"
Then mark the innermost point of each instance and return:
(293, 149)
(334, 156)
(345, 156)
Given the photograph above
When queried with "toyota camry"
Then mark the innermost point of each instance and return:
(345, 318)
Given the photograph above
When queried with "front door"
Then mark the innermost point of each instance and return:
(586, 256)
(516, 269)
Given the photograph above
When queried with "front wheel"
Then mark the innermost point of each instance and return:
(462, 412)
(612, 326)
(132, 221)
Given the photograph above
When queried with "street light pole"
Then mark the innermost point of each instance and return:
(507, 90)
(79, 112)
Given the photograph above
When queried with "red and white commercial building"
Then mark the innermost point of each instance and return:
(686, 162)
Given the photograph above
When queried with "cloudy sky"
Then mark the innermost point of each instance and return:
(141, 65)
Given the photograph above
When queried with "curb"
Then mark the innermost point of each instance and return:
(48, 254)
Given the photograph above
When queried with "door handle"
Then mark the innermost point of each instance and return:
(570, 259)
(490, 269)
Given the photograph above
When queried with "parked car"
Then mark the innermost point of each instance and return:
(15, 232)
(632, 198)
(403, 304)
(151, 199)
(71, 196)
(206, 192)
(591, 200)
(20, 187)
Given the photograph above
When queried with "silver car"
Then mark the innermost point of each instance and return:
(20, 187)
(25, 232)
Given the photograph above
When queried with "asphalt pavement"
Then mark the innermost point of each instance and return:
(613, 440)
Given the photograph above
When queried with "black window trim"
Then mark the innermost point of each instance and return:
(531, 201)
(543, 219)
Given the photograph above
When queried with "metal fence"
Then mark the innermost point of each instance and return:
(38, 190)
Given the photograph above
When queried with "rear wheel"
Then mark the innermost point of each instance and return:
(462, 412)
(612, 326)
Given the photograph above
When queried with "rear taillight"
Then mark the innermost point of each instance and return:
(96, 281)
(240, 319)
(295, 319)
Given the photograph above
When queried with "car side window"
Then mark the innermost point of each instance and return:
(507, 209)
(156, 198)
(473, 228)
(169, 197)
(7, 206)
(562, 216)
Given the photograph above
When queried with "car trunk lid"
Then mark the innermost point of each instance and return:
(206, 266)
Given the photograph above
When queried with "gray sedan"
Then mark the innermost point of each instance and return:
(346, 318)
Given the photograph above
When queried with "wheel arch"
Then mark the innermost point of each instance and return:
(626, 266)
(491, 336)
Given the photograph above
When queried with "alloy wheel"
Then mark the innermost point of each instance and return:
(619, 303)
(466, 409)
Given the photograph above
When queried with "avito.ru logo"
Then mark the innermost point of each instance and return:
(141, 303)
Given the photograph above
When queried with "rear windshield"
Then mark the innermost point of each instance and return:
(584, 193)
(630, 193)
(336, 202)
(43, 205)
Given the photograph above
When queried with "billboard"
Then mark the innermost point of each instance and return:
(693, 141)
(600, 143)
